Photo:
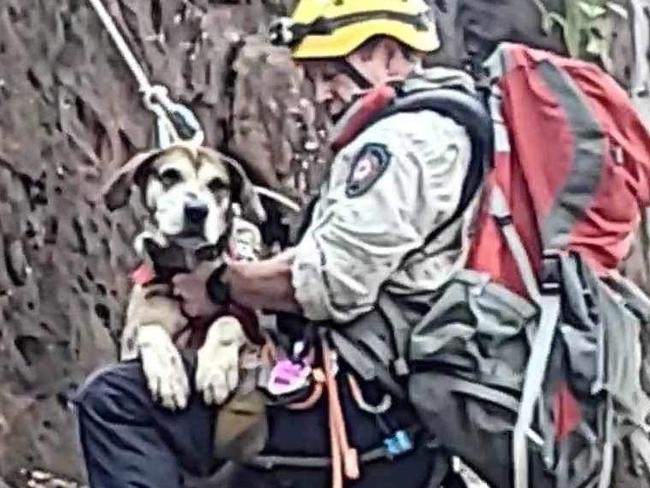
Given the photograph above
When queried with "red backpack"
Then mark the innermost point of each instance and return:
(572, 158)
(570, 174)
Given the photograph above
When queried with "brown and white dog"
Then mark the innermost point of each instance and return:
(191, 194)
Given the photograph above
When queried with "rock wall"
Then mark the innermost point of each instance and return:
(70, 114)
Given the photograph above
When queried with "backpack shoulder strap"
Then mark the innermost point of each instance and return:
(470, 112)
(466, 110)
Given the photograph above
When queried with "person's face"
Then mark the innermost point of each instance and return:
(336, 90)
(333, 89)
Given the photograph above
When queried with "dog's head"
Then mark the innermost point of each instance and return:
(188, 191)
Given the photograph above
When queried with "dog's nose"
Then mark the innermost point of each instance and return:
(196, 212)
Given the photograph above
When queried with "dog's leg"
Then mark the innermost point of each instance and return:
(163, 367)
(152, 319)
(217, 373)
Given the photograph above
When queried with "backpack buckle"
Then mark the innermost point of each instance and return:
(551, 272)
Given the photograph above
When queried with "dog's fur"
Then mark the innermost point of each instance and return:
(190, 194)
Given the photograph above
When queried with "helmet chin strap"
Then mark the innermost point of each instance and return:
(345, 67)
(354, 74)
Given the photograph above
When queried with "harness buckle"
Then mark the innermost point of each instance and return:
(551, 272)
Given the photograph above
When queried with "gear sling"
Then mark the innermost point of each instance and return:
(527, 364)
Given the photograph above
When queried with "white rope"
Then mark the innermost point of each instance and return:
(122, 46)
(278, 198)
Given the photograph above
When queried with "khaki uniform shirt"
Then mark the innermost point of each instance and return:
(386, 192)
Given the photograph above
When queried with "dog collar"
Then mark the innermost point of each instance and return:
(165, 262)
(143, 275)
(169, 260)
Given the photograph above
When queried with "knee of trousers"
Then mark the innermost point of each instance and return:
(99, 391)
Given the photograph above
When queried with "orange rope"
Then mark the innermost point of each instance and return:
(268, 352)
(357, 394)
(345, 459)
(343, 456)
(316, 394)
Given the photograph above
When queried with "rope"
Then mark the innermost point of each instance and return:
(122, 46)
(314, 396)
(345, 459)
(281, 199)
(381, 408)
(155, 97)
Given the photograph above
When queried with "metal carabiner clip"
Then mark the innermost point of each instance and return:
(175, 122)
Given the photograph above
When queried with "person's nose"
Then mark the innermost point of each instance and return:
(322, 91)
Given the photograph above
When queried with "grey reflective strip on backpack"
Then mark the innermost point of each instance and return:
(587, 165)
(542, 342)
(534, 377)
(500, 210)
(608, 446)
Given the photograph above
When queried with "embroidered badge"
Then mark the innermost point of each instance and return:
(367, 168)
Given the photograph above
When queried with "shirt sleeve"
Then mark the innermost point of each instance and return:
(375, 211)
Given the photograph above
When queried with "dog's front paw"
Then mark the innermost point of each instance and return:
(217, 371)
(163, 367)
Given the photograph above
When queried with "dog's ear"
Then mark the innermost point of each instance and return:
(117, 191)
(243, 190)
(244, 193)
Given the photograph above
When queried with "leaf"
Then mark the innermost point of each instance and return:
(595, 45)
(572, 40)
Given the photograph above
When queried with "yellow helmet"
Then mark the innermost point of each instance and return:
(335, 28)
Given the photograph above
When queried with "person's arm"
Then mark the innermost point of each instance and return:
(264, 284)
(378, 208)
(387, 192)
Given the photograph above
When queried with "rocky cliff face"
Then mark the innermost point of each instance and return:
(70, 114)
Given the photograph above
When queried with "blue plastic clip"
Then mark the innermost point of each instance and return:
(392, 446)
(398, 443)
(404, 440)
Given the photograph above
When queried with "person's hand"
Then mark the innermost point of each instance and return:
(191, 289)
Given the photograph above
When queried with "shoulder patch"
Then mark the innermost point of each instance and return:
(367, 168)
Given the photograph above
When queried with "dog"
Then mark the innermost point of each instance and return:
(199, 203)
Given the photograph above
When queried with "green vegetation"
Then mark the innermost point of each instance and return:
(586, 26)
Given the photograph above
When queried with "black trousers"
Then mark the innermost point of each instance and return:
(128, 441)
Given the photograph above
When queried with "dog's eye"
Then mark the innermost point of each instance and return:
(216, 184)
(170, 177)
